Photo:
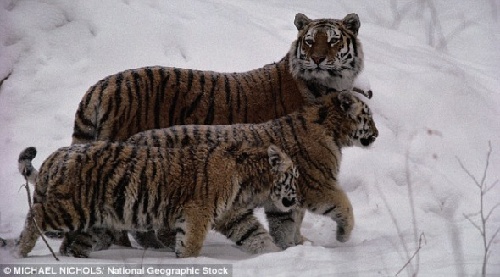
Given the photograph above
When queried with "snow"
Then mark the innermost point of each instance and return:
(436, 101)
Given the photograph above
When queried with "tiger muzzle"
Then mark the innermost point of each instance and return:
(368, 141)
(288, 202)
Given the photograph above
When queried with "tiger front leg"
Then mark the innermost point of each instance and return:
(242, 227)
(191, 228)
(335, 204)
(284, 227)
(30, 233)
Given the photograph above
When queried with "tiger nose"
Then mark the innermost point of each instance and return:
(318, 60)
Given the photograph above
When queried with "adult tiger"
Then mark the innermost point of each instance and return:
(326, 57)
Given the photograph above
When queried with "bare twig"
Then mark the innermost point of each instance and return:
(458, 29)
(484, 215)
(473, 223)
(422, 238)
(492, 239)
(26, 186)
(490, 187)
(411, 199)
(396, 224)
(476, 182)
(491, 211)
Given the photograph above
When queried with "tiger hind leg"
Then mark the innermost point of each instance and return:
(242, 227)
(30, 233)
(191, 230)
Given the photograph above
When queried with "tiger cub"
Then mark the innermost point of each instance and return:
(120, 186)
(313, 136)
(326, 57)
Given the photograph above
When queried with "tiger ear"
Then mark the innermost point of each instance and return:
(278, 160)
(346, 101)
(301, 20)
(352, 23)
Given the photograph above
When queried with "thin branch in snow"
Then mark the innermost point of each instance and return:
(395, 222)
(484, 215)
(491, 211)
(411, 199)
(492, 239)
(473, 223)
(422, 238)
(459, 29)
(490, 187)
(476, 182)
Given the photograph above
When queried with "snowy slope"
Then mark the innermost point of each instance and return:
(436, 84)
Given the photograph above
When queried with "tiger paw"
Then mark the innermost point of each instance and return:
(269, 248)
(74, 252)
(75, 248)
(18, 254)
(259, 245)
(302, 240)
(285, 244)
(342, 234)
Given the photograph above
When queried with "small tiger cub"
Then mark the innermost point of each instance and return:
(120, 186)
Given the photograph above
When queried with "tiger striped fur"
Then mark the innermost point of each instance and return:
(313, 136)
(136, 100)
(114, 185)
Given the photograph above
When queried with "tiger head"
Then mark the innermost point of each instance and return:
(347, 118)
(327, 53)
(364, 132)
(284, 187)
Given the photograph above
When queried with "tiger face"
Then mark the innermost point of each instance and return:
(364, 130)
(284, 188)
(328, 51)
(284, 193)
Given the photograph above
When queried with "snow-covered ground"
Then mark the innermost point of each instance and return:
(434, 67)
